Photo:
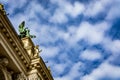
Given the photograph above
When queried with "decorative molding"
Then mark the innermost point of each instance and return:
(11, 41)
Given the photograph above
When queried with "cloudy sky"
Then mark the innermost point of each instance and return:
(78, 38)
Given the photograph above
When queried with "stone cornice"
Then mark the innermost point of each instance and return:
(38, 65)
(45, 71)
(10, 34)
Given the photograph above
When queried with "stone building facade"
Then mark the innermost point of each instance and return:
(19, 58)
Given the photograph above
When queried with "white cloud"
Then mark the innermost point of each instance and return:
(92, 9)
(75, 69)
(104, 70)
(73, 73)
(112, 45)
(86, 31)
(92, 33)
(49, 34)
(59, 68)
(33, 8)
(114, 11)
(29, 15)
(66, 8)
(75, 9)
(14, 4)
(96, 7)
(90, 55)
(59, 17)
(49, 52)
(111, 7)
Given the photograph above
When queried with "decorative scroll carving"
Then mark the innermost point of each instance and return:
(34, 77)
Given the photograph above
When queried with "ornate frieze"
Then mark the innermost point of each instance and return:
(11, 41)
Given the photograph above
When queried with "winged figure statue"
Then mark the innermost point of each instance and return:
(24, 32)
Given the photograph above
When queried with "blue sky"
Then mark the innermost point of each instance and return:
(78, 38)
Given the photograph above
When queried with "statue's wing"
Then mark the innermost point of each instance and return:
(22, 24)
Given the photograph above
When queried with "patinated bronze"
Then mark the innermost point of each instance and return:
(24, 32)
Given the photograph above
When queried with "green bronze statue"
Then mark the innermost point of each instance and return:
(24, 32)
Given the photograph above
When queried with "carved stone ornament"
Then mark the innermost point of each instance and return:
(2, 9)
(20, 77)
(36, 51)
(6, 74)
(4, 61)
(34, 77)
